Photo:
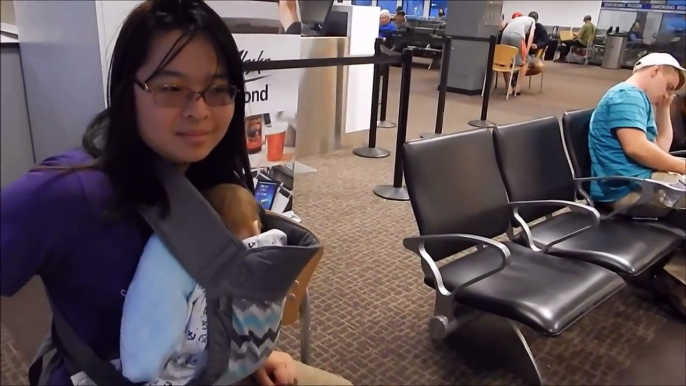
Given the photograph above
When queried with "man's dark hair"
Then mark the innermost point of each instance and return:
(534, 15)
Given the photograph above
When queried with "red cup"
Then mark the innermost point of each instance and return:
(276, 139)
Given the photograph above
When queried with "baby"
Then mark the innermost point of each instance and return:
(164, 322)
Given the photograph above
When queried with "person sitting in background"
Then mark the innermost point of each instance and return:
(441, 14)
(519, 33)
(541, 38)
(582, 39)
(635, 34)
(385, 26)
(399, 19)
(630, 135)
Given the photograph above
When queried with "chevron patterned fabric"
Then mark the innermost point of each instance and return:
(253, 332)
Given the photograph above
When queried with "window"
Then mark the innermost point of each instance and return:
(436, 5)
(362, 2)
(390, 5)
(413, 7)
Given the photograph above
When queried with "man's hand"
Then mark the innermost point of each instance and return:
(636, 145)
(665, 102)
(534, 46)
(278, 369)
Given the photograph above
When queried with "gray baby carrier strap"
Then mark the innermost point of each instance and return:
(195, 235)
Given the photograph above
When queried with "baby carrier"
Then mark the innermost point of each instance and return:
(215, 259)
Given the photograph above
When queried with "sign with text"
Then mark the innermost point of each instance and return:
(270, 91)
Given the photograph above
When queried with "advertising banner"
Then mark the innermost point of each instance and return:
(268, 30)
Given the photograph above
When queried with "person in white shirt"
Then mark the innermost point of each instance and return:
(519, 33)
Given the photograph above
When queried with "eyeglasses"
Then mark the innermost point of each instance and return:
(179, 96)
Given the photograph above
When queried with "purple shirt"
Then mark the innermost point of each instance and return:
(53, 225)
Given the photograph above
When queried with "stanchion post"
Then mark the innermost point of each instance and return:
(442, 88)
(397, 192)
(383, 123)
(371, 151)
(385, 71)
(483, 122)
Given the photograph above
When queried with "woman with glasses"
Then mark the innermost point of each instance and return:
(175, 94)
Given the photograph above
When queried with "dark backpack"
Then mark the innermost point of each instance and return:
(219, 262)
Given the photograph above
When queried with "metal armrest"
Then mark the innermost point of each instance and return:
(573, 206)
(648, 189)
(417, 244)
(678, 153)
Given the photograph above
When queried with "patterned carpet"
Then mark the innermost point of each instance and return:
(369, 304)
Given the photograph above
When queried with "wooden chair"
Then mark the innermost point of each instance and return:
(297, 306)
(564, 35)
(503, 62)
(540, 54)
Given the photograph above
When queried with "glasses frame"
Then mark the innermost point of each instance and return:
(144, 86)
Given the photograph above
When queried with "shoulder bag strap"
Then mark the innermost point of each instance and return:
(81, 357)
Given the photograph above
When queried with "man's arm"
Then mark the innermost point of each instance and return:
(637, 146)
(665, 132)
(531, 37)
(581, 35)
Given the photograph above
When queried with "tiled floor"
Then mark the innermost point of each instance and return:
(369, 304)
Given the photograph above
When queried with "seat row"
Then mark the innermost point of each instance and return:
(468, 188)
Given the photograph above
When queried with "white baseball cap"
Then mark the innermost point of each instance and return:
(385, 12)
(662, 59)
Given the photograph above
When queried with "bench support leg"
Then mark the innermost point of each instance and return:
(495, 341)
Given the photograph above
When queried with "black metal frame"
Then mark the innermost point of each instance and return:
(371, 151)
(385, 74)
(397, 192)
(483, 122)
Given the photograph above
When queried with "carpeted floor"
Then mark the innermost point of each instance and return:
(369, 304)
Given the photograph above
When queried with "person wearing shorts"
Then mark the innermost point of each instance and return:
(519, 33)
(630, 135)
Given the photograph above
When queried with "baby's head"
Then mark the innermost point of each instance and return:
(237, 208)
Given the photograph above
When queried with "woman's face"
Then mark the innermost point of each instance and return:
(188, 133)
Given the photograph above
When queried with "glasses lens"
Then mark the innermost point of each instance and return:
(220, 95)
(175, 96)
(172, 96)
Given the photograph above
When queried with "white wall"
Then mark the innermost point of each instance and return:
(62, 71)
(556, 13)
(16, 149)
(7, 11)
(622, 19)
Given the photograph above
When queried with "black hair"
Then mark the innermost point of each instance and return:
(534, 15)
(113, 138)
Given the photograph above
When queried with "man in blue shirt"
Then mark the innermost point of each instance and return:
(631, 133)
(385, 25)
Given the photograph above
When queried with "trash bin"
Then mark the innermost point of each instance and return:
(614, 51)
